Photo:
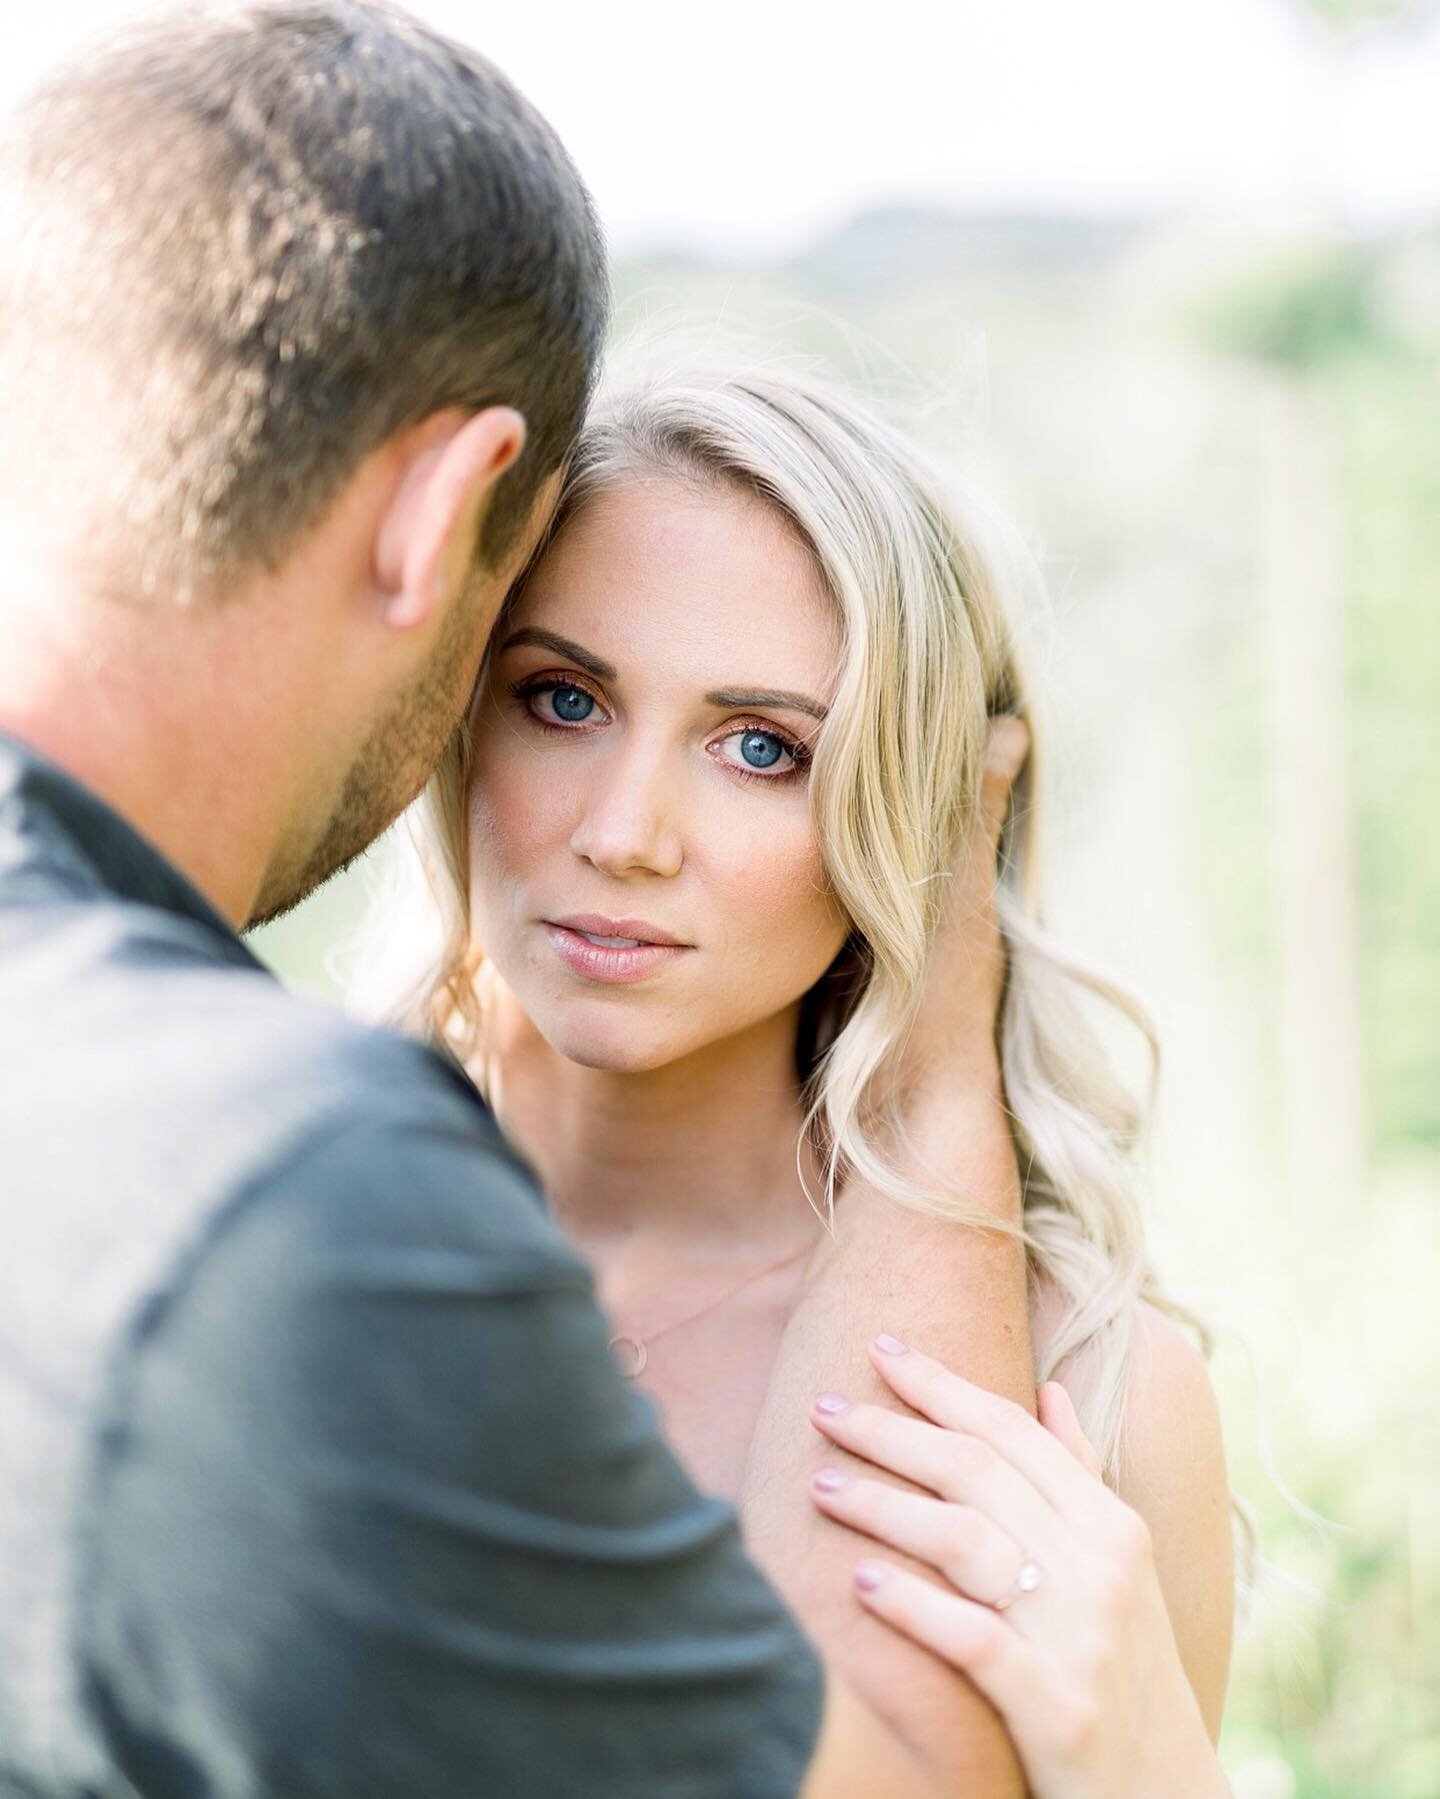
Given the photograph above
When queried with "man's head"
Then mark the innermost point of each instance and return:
(249, 252)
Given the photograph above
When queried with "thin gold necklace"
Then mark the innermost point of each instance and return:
(634, 1352)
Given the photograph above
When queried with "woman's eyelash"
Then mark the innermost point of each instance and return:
(800, 753)
(524, 691)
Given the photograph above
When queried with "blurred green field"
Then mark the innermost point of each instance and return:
(1228, 451)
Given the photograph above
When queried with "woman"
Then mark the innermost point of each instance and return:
(687, 863)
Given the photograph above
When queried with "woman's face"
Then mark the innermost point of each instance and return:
(645, 878)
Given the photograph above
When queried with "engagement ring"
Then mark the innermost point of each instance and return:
(1025, 1581)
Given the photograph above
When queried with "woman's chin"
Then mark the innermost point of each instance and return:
(609, 1046)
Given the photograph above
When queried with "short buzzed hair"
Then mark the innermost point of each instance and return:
(241, 246)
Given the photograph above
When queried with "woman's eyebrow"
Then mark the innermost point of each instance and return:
(562, 646)
(736, 699)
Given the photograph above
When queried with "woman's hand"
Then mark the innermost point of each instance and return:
(952, 1043)
(940, 1114)
(1057, 1615)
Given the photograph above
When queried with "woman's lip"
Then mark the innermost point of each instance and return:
(594, 962)
(639, 930)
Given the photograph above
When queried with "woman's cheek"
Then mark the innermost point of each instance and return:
(490, 830)
(778, 898)
(511, 815)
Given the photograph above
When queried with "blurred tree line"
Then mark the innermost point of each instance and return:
(1347, 335)
(1350, 326)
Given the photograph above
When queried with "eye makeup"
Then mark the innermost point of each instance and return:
(568, 689)
(800, 753)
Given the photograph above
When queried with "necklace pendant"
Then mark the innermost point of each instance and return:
(631, 1354)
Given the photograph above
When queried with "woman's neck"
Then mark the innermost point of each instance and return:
(702, 1150)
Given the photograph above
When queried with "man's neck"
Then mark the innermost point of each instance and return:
(151, 728)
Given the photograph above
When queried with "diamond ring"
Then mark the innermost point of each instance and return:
(1025, 1581)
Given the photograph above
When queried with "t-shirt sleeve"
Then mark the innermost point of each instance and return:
(374, 1514)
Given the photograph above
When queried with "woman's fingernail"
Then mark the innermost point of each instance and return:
(832, 1403)
(869, 1575)
(830, 1480)
(891, 1345)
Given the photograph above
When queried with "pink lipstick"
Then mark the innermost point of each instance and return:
(612, 950)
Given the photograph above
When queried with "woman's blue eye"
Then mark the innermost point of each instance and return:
(760, 749)
(572, 704)
(765, 753)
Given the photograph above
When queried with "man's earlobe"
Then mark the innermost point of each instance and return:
(451, 463)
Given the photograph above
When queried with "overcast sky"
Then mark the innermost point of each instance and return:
(754, 125)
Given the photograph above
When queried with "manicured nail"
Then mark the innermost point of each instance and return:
(869, 1575)
(891, 1345)
(832, 1403)
(830, 1480)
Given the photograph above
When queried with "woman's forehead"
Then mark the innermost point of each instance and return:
(709, 577)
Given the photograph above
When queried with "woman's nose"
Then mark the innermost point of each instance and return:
(627, 825)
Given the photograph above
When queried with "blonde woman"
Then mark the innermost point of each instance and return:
(682, 873)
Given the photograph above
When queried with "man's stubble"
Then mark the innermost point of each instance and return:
(394, 761)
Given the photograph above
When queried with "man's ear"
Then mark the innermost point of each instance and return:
(450, 466)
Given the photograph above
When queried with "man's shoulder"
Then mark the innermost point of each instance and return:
(390, 1137)
(157, 1012)
(357, 1129)
(299, 1055)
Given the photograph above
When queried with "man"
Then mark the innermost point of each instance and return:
(316, 1476)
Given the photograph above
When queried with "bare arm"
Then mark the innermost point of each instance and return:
(858, 1756)
(963, 1292)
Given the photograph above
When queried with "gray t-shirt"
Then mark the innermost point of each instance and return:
(316, 1473)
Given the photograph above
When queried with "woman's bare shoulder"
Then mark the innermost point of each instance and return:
(1172, 1419)
(1172, 1438)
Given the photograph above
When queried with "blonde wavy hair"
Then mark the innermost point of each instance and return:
(926, 580)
